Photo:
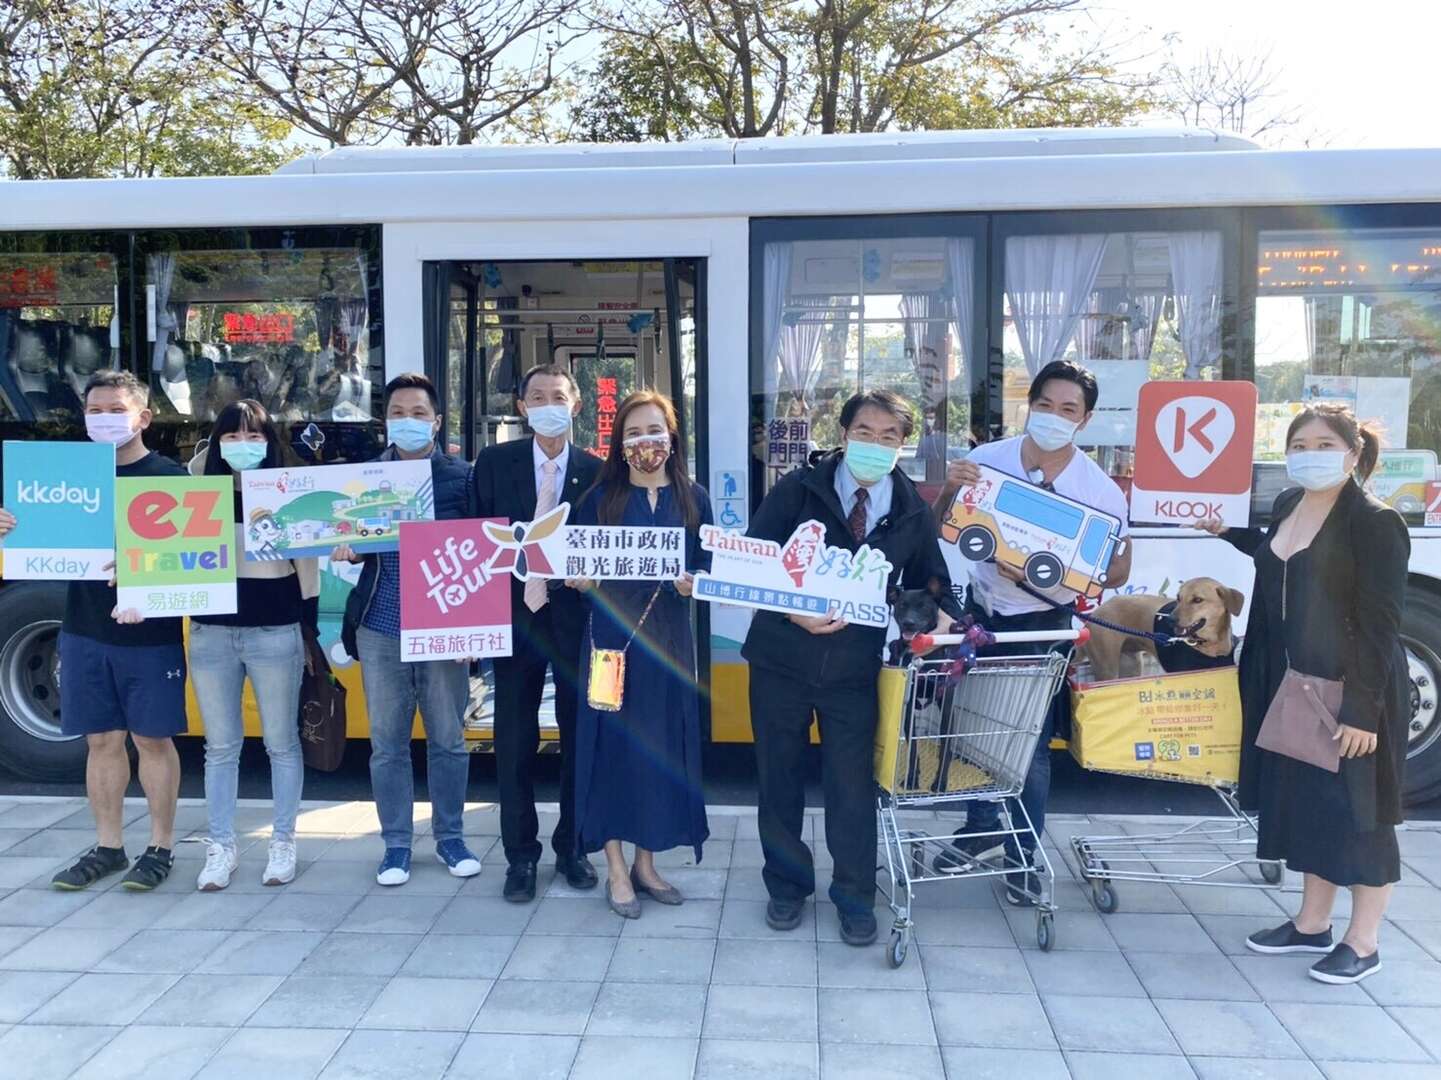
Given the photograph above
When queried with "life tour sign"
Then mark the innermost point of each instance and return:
(452, 605)
(1194, 449)
(63, 497)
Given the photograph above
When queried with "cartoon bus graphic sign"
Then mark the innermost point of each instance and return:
(1051, 539)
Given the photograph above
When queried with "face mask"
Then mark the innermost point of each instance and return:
(1049, 431)
(551, 421)
(243, 455)
(410, 435)
(1317, 470)
(117, 428)
(870, 462)
(646, 453)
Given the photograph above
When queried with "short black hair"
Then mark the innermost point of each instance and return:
(124, 381)
(412, 380)
(887, 400)
(559, 371)
(247, 414)
(1066, 371)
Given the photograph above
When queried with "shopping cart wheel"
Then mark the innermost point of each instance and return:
(1103, 896)
(1045, 931)
(1272, 872)
(896, 954)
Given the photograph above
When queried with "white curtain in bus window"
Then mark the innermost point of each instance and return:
(287, 327)
(57, 327)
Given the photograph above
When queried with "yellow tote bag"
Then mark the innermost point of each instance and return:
(892, 690)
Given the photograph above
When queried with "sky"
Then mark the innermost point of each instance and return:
(1361, 71)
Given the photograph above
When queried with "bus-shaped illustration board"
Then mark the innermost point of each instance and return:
(1051, 539)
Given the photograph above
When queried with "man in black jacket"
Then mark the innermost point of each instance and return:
(521, 480)
(802, 665)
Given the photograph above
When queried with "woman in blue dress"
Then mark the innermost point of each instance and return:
(638, 770)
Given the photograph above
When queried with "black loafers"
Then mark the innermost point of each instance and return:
(1287, 939)
(1342, 966)
(577, 871)
(858, 928)
(520, 883)
(784, 914)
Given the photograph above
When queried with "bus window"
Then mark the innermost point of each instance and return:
(1037, 508)
(57, 327)
(1094, 542)
(288, 327)
(1351, 316)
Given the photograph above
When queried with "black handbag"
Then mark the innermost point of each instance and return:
(322, 708)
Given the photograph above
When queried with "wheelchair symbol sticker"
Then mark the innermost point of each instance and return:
(729, 518)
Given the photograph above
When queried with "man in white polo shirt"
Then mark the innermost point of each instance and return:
(1061, 400)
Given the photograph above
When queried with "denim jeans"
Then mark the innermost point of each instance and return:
(394, 689)
(221, 657)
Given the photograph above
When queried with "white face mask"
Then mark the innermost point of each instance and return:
(1317, 470)
(116, 428)
(551, 421)
(1049, 431)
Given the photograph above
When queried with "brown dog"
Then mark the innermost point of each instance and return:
(1204, 607)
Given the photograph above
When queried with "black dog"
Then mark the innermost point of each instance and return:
(915, 611)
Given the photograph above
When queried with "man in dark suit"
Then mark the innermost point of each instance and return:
(522, 480)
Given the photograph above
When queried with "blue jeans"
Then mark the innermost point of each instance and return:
(221, 657)
(394, 689)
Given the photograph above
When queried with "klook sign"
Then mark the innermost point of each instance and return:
(451, 604)
(1194, 444)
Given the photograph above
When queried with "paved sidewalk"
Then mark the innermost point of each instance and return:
(335, 977)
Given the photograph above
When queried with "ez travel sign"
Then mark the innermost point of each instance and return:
(1194, 446)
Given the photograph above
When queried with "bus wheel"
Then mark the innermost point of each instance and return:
(976, 543)
(1421, 637)
(1043, 570)
(31, 744)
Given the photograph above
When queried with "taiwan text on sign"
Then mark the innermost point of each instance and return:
(451, 605)
(549, 548)
(63, 499)
(804, 576)
(1194, 445)
(174, 545)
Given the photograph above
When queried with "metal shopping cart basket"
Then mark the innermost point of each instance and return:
(1186, 729)
(952, 734)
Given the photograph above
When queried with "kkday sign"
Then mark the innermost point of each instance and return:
(174, 545)
(63, 499)
(452, 605)
(549, 548)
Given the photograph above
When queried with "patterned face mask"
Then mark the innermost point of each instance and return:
(646, 453)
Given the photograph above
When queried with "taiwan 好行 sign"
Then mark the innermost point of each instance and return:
(452, 606)
(804, 576)
(63, 499)
(309, 511)
(174, 545)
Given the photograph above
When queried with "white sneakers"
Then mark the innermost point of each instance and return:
(220, 863)
(280, 866)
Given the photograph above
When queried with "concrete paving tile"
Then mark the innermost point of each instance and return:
(176, 951)
(303, 911)
(1424, 932)
(699, 882)
(392, 913)
(486, 1056)
(662, 960)
(50, 1052)
(841, 965)
(716, 856)
(1242, 1069)
(999, 971)
(1409, 902)
(214, 911)
(121, 909)
(1081, 974)
(1075, 929)
(459, 955)
(1160, 933)
(747, 919)
(786, 1013)
(211, 1000)
(1090, 1065)
(748, 885)
(1422, 1024)
(614, 1057)
(1422, 841)
(693, 919)
(10, 837)
(991, 1020)
(44, 907)
(521, 1006)
(1405, 982)
(342, 878)
(12, 937)
(1227, 1029)
(1229, 932)
(1427, 867)
(1371, 1070)
(643, 1009)
(261, 952)
(53, 844)
(982, 1063)
(758, 962)
(57, 949)
(856, 1061)
(1284, 978)
(985, 928)
(360, 954)
(1136, 897)
(1218, 900)
(1190, 976)
(957, 894)
(319, 1001)
(380, 1055)
(1347, 1033)
(43, 814)
(429, 1004)
(876, 1016)
(22, 992)
(747, 855)
(543, 957)
(155, 1053)
(739, 1059)
(483, 915)
(563, 915)
(1111, 1024)
(96, 998)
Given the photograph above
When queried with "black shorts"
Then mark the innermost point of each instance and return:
(134, 688)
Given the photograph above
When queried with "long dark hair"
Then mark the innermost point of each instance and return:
(247, 414)
(1364, 438)
(614, 479)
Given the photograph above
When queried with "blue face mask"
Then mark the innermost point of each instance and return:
(243, 455)
(870, 462)
(410, 435)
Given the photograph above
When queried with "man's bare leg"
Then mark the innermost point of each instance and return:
(107, 775)
(160, 779)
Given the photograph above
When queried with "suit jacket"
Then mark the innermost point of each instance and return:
(504, 487)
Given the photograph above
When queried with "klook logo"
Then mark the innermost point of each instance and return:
(1194, 432)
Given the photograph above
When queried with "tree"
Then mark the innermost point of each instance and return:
(1230, 92)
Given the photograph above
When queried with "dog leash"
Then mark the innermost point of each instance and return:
(1150, 635)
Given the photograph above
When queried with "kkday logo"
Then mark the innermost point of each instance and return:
(35, 493)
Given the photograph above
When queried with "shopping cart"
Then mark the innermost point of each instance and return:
(951, 735)
(1186, 729)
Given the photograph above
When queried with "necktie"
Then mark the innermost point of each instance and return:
(857, 520)
(535, 588)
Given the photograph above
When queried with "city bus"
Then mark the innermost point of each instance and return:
(759, 283)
